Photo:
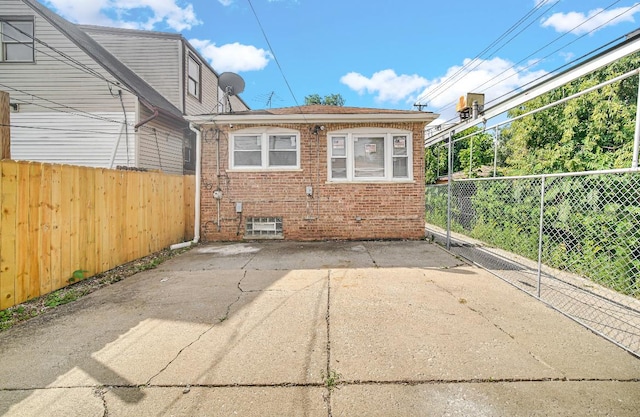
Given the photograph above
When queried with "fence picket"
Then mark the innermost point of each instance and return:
(9, 221)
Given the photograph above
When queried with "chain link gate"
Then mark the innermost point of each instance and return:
(571, 240)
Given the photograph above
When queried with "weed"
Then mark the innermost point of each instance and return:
(78, 275)
(61, 297)
(331, 379)
(462, 301)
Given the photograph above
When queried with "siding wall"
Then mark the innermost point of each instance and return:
(386, 210)
(160, 143)
(57, 78)
(73, 139)
(156, 59)
(63, 102)
(209, 96)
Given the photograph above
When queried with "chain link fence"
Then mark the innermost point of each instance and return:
(571, 240)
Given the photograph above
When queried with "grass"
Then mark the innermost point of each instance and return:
(331, 379)
(80, 287)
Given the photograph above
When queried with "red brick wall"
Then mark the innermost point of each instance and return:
(335, 211)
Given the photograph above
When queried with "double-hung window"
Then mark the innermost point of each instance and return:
(193, 83)
(374, 155)
(265, 149)
(16, 36)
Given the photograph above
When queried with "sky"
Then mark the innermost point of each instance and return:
(382, 53)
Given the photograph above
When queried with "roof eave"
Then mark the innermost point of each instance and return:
(311, 118)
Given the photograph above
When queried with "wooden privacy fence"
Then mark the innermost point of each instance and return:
(57, 219)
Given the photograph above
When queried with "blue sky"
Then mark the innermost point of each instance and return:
(384, 53)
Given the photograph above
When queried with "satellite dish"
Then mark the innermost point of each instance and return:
(231, 83)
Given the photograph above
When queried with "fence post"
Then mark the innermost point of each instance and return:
(5, 130)
(496, 139)
(449, 187)
(542, 187)
(636, 137)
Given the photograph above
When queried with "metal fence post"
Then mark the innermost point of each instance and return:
(636, 137)
(449, 188)
(496, 139)
(542, 187)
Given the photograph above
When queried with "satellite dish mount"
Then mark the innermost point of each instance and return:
(231, 84)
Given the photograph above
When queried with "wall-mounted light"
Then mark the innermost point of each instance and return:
(14, 106)
(317, 128)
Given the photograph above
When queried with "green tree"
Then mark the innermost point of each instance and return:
(594, 131)
(328, 100)
(436, 156)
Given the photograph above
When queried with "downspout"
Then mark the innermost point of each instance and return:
(196, 225)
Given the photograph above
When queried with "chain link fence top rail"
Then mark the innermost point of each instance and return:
(573, 241)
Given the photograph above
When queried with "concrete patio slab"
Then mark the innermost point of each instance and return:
(225, 401)
(310, 329)
(279, 338)
(549, 398)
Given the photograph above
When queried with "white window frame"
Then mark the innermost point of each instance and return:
(263, 134)
(10, 20)
(349, 143)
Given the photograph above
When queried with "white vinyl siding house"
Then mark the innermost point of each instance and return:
(100, 97)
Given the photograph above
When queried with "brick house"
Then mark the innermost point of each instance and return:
(313, 172)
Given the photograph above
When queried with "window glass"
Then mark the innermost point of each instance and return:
(338, 167)
(17, 41)
(247, 151)
(400, 157)
(194, 77)
(368, 157)
(265, 151)
(282, 150)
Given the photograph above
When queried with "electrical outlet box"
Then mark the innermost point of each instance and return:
(239, 207)
(309, 190)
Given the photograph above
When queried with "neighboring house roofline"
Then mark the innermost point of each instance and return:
(104, 58)
(155, 34)
(315, 114)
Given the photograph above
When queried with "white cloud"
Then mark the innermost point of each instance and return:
(594, 20)
(225, 2)
(98, 12)
(386, 84)
(494, 78)
(232, 56)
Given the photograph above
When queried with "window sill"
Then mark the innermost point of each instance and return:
(385, 182)
(263, 170)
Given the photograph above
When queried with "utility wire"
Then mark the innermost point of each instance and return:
(68, 60)
(476, 59)
(275, 58)
(520, 70)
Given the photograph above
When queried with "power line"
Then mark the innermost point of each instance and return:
(476, 59)
(275, 58)
(513, 67)
(68, 60)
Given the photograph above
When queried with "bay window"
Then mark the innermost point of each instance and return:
(373, 155)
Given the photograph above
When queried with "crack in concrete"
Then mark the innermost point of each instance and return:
(100, 393)
(328, 320)
(497, 326)
(375, 265)
(238, 285)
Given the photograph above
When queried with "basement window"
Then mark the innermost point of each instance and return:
(264, 228)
